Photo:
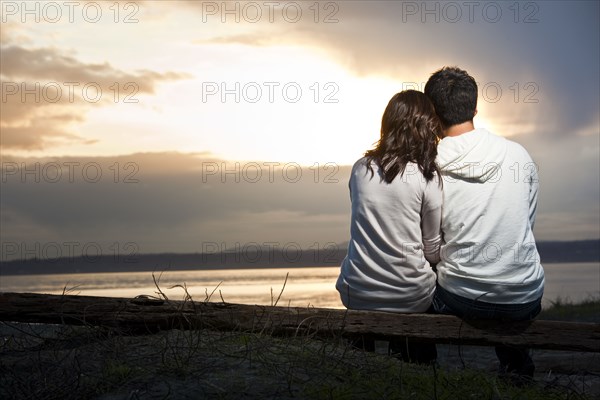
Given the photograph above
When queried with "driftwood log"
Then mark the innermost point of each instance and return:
(143, 315)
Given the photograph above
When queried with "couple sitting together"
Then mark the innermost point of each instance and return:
(442, 219)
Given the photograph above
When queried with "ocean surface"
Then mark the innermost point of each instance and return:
(303, 287)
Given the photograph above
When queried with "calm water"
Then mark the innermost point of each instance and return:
(304, 286)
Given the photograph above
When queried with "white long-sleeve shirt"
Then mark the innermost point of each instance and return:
(395, 233)
(490, 198)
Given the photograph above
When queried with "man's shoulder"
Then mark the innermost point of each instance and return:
(517, 150)
(512, 147)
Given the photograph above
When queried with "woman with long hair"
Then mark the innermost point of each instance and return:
(396, 197)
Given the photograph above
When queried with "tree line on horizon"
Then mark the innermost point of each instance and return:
(256, 257)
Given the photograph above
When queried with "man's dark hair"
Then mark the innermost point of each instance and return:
(453, 93)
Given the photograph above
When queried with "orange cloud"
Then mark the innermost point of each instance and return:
(44, 91)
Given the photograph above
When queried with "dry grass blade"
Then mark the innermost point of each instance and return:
(157, 285)
(209, 296)
(281, 292)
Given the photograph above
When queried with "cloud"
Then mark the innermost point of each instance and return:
(536, 65)
(170, 201)
(568, 205)
(45, 92)
(46, 64)
(40, 133)
(548, 51)
(6, 32)
(174, 202)
(251, 39)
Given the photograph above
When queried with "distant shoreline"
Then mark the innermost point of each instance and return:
(217, 268)
(550, 253)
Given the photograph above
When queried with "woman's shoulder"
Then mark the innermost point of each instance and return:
(413, 176)
(363, 163)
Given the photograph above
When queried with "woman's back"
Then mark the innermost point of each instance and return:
(394, 228)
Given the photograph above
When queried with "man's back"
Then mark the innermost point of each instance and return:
(490, 197)
(489, 266)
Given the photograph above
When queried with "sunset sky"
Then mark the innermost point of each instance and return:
(175, 125)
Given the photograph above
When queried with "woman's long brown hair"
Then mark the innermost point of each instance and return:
(410, 131)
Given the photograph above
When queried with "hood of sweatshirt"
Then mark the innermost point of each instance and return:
(476, 155)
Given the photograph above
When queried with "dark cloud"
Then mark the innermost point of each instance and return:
(176, 202)
(568, 206)
(542, 56)
(171, 201)
(553, 45)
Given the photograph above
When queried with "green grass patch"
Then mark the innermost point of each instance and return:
(563, 309)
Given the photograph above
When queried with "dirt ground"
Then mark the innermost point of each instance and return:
(54, 362)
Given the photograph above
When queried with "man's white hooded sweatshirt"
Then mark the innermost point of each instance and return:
(489, 203)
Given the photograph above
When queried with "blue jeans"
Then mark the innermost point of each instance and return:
(512, 359)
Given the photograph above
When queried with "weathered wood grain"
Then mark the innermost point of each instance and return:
(142, 315)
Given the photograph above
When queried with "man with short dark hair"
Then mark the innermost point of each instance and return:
(489, 267)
